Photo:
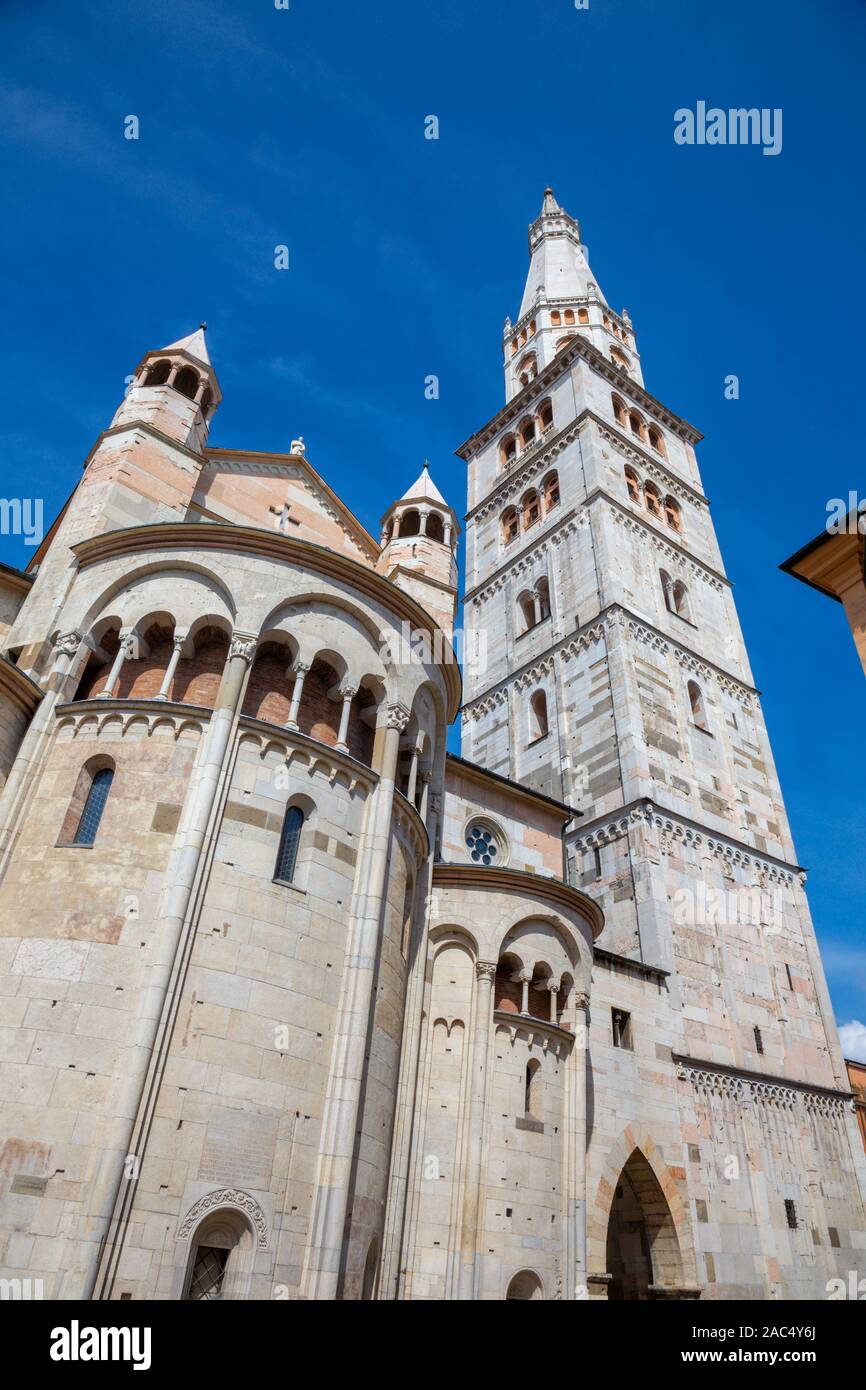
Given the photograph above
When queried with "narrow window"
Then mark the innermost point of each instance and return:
(94, 807)
(583, 316)
(788, 973)
(636, 425)
(699, 715)
(653, 500)
(673, 515)
(550, 488)
(656, 439)
(633, 485)
(791, 1213)
(621, 1026)
(538, 725)
(759, 1041)
(531, 509)
(596, 854)
(527, 611)
(289, 841)
(556, 318)
(619, 410)
(532, 1090)
(510, 526)
(543, 590)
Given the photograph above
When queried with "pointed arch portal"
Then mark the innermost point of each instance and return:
(643, 1253)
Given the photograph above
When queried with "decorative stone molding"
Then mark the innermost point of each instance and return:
(233, 1197)
(397, 717)
(485, 969)
(536, 673)
(514, 484)
(91, 718)
(742, 1089)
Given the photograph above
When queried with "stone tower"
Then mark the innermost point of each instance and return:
(617, 680)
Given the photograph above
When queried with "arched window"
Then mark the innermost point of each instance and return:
(531, 327)
(656, 439)
(667, 585)
(410, 523)
(508, 450)
(538, 726)
(543, 591)
(527, 368)
(564, 342)
(514, 346)
(680, 600)
(221, 1258)
(583, 316)
(158, 373)
(556, 318)
(632, 482)
(653, 500)
(636, 424)
(527, 610)
(550, 489)
(532, 1090)
(569, 316)
(619, 358)
(526, 431)
(673, 514)
(510, 526)
(545, 415)
(435, 527)
(619, 410)
(530, 508)
(290, 839)
(94, 805)
(186, 382)
(696, 700)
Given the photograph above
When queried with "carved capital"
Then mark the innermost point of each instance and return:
(398, 717)
(67, 643)
(485, 970)
(244, 647)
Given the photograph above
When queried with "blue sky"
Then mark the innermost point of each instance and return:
(305, 127)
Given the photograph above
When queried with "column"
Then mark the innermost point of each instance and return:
(575, 1154)
(536, 605)
(171, 668)
(426, 779)
(348, 693)
(423, 513)
(413, 774)
(554, 998)
(124, 653)
(522, 978)
(447, 533)
(482, 1013)
(297, 691)
(172, 376)
(111, 1195)
(340, 1119)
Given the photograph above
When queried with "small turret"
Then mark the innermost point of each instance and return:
(175, 389)
(419, 540)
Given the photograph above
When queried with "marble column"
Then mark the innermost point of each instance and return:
(482, 1015)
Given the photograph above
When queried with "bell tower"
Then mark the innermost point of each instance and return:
(175, 390)
(419, 541)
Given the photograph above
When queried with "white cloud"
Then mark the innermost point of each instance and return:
(853, 1039)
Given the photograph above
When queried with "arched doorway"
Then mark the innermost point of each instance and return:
(643, 1255)
(525, 1285)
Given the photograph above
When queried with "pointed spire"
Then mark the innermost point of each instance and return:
(424, 488)
(558, 268)
(194, 344)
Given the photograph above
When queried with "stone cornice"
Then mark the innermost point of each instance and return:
(614, 615)
(23, 692)
(549, 890)
(287, 550)
(629, 966)
(577, 347)
(721, 1079)
(614, 824)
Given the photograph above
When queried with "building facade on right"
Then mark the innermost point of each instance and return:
(723, 1157)
(834, 563)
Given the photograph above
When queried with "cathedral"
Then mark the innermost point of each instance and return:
(299, 1005)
